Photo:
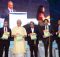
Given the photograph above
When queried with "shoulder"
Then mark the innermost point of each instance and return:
(1, 29)
(23, 27)
(5, 10)
(36, 27)
(9, 28)
(14, 27)
(50, 26)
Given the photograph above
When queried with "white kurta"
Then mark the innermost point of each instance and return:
(19, 46)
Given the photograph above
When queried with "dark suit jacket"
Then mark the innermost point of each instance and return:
(41, 33)
(31, 42)
(56, 28)
(2, 31)
(40, 29)
(49, 28)
(5, 14)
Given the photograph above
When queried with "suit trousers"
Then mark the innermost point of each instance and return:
(48, 44)
(4, 46)
(58, 43)
(34, 50)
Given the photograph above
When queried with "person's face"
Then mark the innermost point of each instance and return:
(10, 5)
(43, 9)
(59, 22)
(31, 25)
(40, 22)
(46, 22)
(18, 23)
(5, 24)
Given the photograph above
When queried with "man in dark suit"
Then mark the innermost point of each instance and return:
(5, 35)
(5, 13)
(40, 28)
(47, 38)
(58, 36)
(33, 41)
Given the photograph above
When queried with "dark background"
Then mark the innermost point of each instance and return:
(54, 7)
(29, 6)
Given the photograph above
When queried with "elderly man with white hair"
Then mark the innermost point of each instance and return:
(19, 34)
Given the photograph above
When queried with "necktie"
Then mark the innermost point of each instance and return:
(5, 29)
(46, 26)
(11, 10)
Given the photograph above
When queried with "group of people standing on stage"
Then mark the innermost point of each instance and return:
(45, 33)
(18, 33)
(31, 33)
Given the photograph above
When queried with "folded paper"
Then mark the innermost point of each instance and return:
(19, 37)
(46, 33)
(59, 35)
(33, 36)
(5, 35)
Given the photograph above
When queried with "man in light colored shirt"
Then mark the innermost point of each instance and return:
(10, 8)
(19, 34)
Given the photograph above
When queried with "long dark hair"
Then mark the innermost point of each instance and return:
(40, 8)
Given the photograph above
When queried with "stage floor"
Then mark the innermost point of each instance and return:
(41, 52)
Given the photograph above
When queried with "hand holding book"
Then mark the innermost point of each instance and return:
(5, 35)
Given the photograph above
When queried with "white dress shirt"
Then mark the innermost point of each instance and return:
(46, 27)
(10, 10)
(5, 29)
(32, 29)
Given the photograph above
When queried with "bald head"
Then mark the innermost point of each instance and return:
(18, 23)
(10, 4)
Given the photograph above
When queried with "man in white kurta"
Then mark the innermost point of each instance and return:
(19, 34)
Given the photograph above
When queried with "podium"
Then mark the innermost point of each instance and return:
(14, 16)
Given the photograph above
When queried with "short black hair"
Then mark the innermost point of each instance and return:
(5, 20)
(32, 22)
(46, 20)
